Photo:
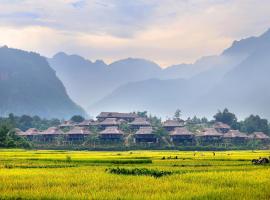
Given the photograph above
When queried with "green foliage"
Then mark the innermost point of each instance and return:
(226, 117)
(139, 172)
(25, 122)
(177, 114)
(255, 124)
(9, 139)
(142, 113)
(77, 118)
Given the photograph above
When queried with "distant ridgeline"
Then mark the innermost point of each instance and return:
(114, 130)
(28, 85)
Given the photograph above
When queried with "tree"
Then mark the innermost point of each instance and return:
(142, 114)
(177, 114)
(77, 118)
(255, 124)
(225, 117)
(4, 129)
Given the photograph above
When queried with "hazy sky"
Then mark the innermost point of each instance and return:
(165, 31)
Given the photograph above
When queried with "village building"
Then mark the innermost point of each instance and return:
(145, 134)
(181, 135)
(85, 123)
(221, 127)
(67, 124)
(109, 122)
(77, 134)
(235, 136)
(18, 131)
(129, 117)
(170, 124)
(30, 133)
(260, 136)
(50, 134)
(139, 122)
(111, 133)
(209, 136)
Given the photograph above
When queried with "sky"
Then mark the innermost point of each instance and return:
(164, 31)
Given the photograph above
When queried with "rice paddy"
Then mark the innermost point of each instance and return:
(133, 175)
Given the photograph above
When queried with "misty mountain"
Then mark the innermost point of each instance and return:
(28, 85)
(239, 81)
(88, 82)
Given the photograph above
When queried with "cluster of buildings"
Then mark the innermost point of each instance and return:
(109, 126)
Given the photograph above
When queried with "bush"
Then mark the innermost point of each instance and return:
(139, 172)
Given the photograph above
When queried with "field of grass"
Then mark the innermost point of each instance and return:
(133, 175)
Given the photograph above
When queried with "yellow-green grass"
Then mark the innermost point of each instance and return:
(82, 175)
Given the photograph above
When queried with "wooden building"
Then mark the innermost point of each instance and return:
(67, 124)
(85, 123)
(235, 136)
(221, 127)
(181, 135)
(139, 122)
(145, 134)
(171, 124)
(108, 122)
(129, 117)
(30, 134)
(50, 134)
(209, 136)
(77, 134)
(111, 133)
(260, 136)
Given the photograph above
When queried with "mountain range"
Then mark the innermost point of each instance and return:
(236, 79)
(28, 85)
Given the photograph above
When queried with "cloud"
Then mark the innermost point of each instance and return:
(168, 32)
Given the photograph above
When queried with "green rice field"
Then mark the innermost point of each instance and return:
(133, 175)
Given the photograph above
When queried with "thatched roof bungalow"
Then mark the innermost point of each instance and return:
(209, 136)
(260, 136)
(171, 124)
(221, 127)
(109, 122)
(50, 134)
(181, 134)
(111, 133)
(77, 133)
(235, 136)
(67, 124)
(145, 134)
(125, 116)
(139, 122)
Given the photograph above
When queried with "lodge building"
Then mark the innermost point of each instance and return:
(170, 125)
(145, 134)
(111, 133)
(181, 135)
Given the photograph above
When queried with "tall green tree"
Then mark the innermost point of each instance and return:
(226, 117)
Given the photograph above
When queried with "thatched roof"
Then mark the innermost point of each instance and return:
(111, 130)
(209, 132)
(85, 123)
(259, 135)
(110, 122)
(218, 125)
(181, 131)
(52, 131)
(140, 121)
(116, 115)
(68, 123)
(144, 131)
(78, 131)
(18, 131)
(31, 131)
(235, 134)
(173, 123)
